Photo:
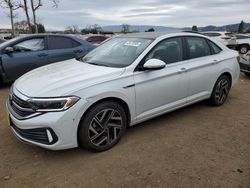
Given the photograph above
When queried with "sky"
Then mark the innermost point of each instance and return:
(173, 13)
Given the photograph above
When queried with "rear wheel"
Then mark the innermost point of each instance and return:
(220, 91)
(243, 49)
(102, 127)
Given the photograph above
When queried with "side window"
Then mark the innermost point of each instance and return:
(169, 51)
(215, 49)
(197, 47)
(56, 42)
(36, 44)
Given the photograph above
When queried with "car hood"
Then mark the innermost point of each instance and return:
(64, 78)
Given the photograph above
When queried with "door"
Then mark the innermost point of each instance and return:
(63, 48)
(28, 55)
(158, 91)
(202, 67)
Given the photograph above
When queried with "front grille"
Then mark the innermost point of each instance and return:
(36, 135)
(20, 102)
(20, 107)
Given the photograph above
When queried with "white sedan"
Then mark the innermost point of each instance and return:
(127, 80)
(243, 43)
(226, 38)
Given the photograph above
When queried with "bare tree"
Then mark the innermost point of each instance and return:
(26, 10)
(35, 5)
(12, 5)
(125, 28)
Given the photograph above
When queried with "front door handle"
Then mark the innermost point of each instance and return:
(182, 70)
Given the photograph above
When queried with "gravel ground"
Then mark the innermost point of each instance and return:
(198, 146)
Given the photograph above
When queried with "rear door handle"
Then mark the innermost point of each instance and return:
(42, 55)
(215, 61)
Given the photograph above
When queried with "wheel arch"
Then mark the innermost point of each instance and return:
(242, 44)
(229, 75)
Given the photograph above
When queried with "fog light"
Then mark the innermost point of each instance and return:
(50, 138)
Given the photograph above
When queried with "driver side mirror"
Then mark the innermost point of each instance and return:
(9, 50)
(154, 64)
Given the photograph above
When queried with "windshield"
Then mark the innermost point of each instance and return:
(117, 52)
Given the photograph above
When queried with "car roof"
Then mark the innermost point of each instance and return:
(155, 35)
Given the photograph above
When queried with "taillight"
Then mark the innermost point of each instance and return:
(238, 59)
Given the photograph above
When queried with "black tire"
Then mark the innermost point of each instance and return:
(243, 49)
(106, 123)
(247, 74)
(220, 91)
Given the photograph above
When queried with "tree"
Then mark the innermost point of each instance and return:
(150, 30)
(22, 26)
(72, 29)
(12, 5)
(125, 28)
(35, 5)
(241, 27)
(195, 28)
(25, 8)
(94, 29)
(40, 28)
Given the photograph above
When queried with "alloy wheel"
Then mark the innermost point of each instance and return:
(243, 50)
(105, 127)
(222, 90)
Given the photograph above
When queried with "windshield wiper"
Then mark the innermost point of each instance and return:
(91, 63)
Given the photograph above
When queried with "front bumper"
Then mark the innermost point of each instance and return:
(52, 130)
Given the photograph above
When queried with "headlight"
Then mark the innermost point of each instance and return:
(53, 104)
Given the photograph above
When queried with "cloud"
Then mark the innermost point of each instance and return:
(176, 13)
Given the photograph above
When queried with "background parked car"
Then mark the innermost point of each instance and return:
(225, 37)
(243, 43)
(1, 41)
(245, 64)
(96, 39)
(23, 54)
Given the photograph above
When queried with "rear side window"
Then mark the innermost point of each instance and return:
(169, 51)
(197, 47)
(56, 42)
(214, 48)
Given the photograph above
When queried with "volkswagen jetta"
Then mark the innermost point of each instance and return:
(127, 80)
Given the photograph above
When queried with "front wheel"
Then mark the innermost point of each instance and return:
(220, 91)
(102, 127)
